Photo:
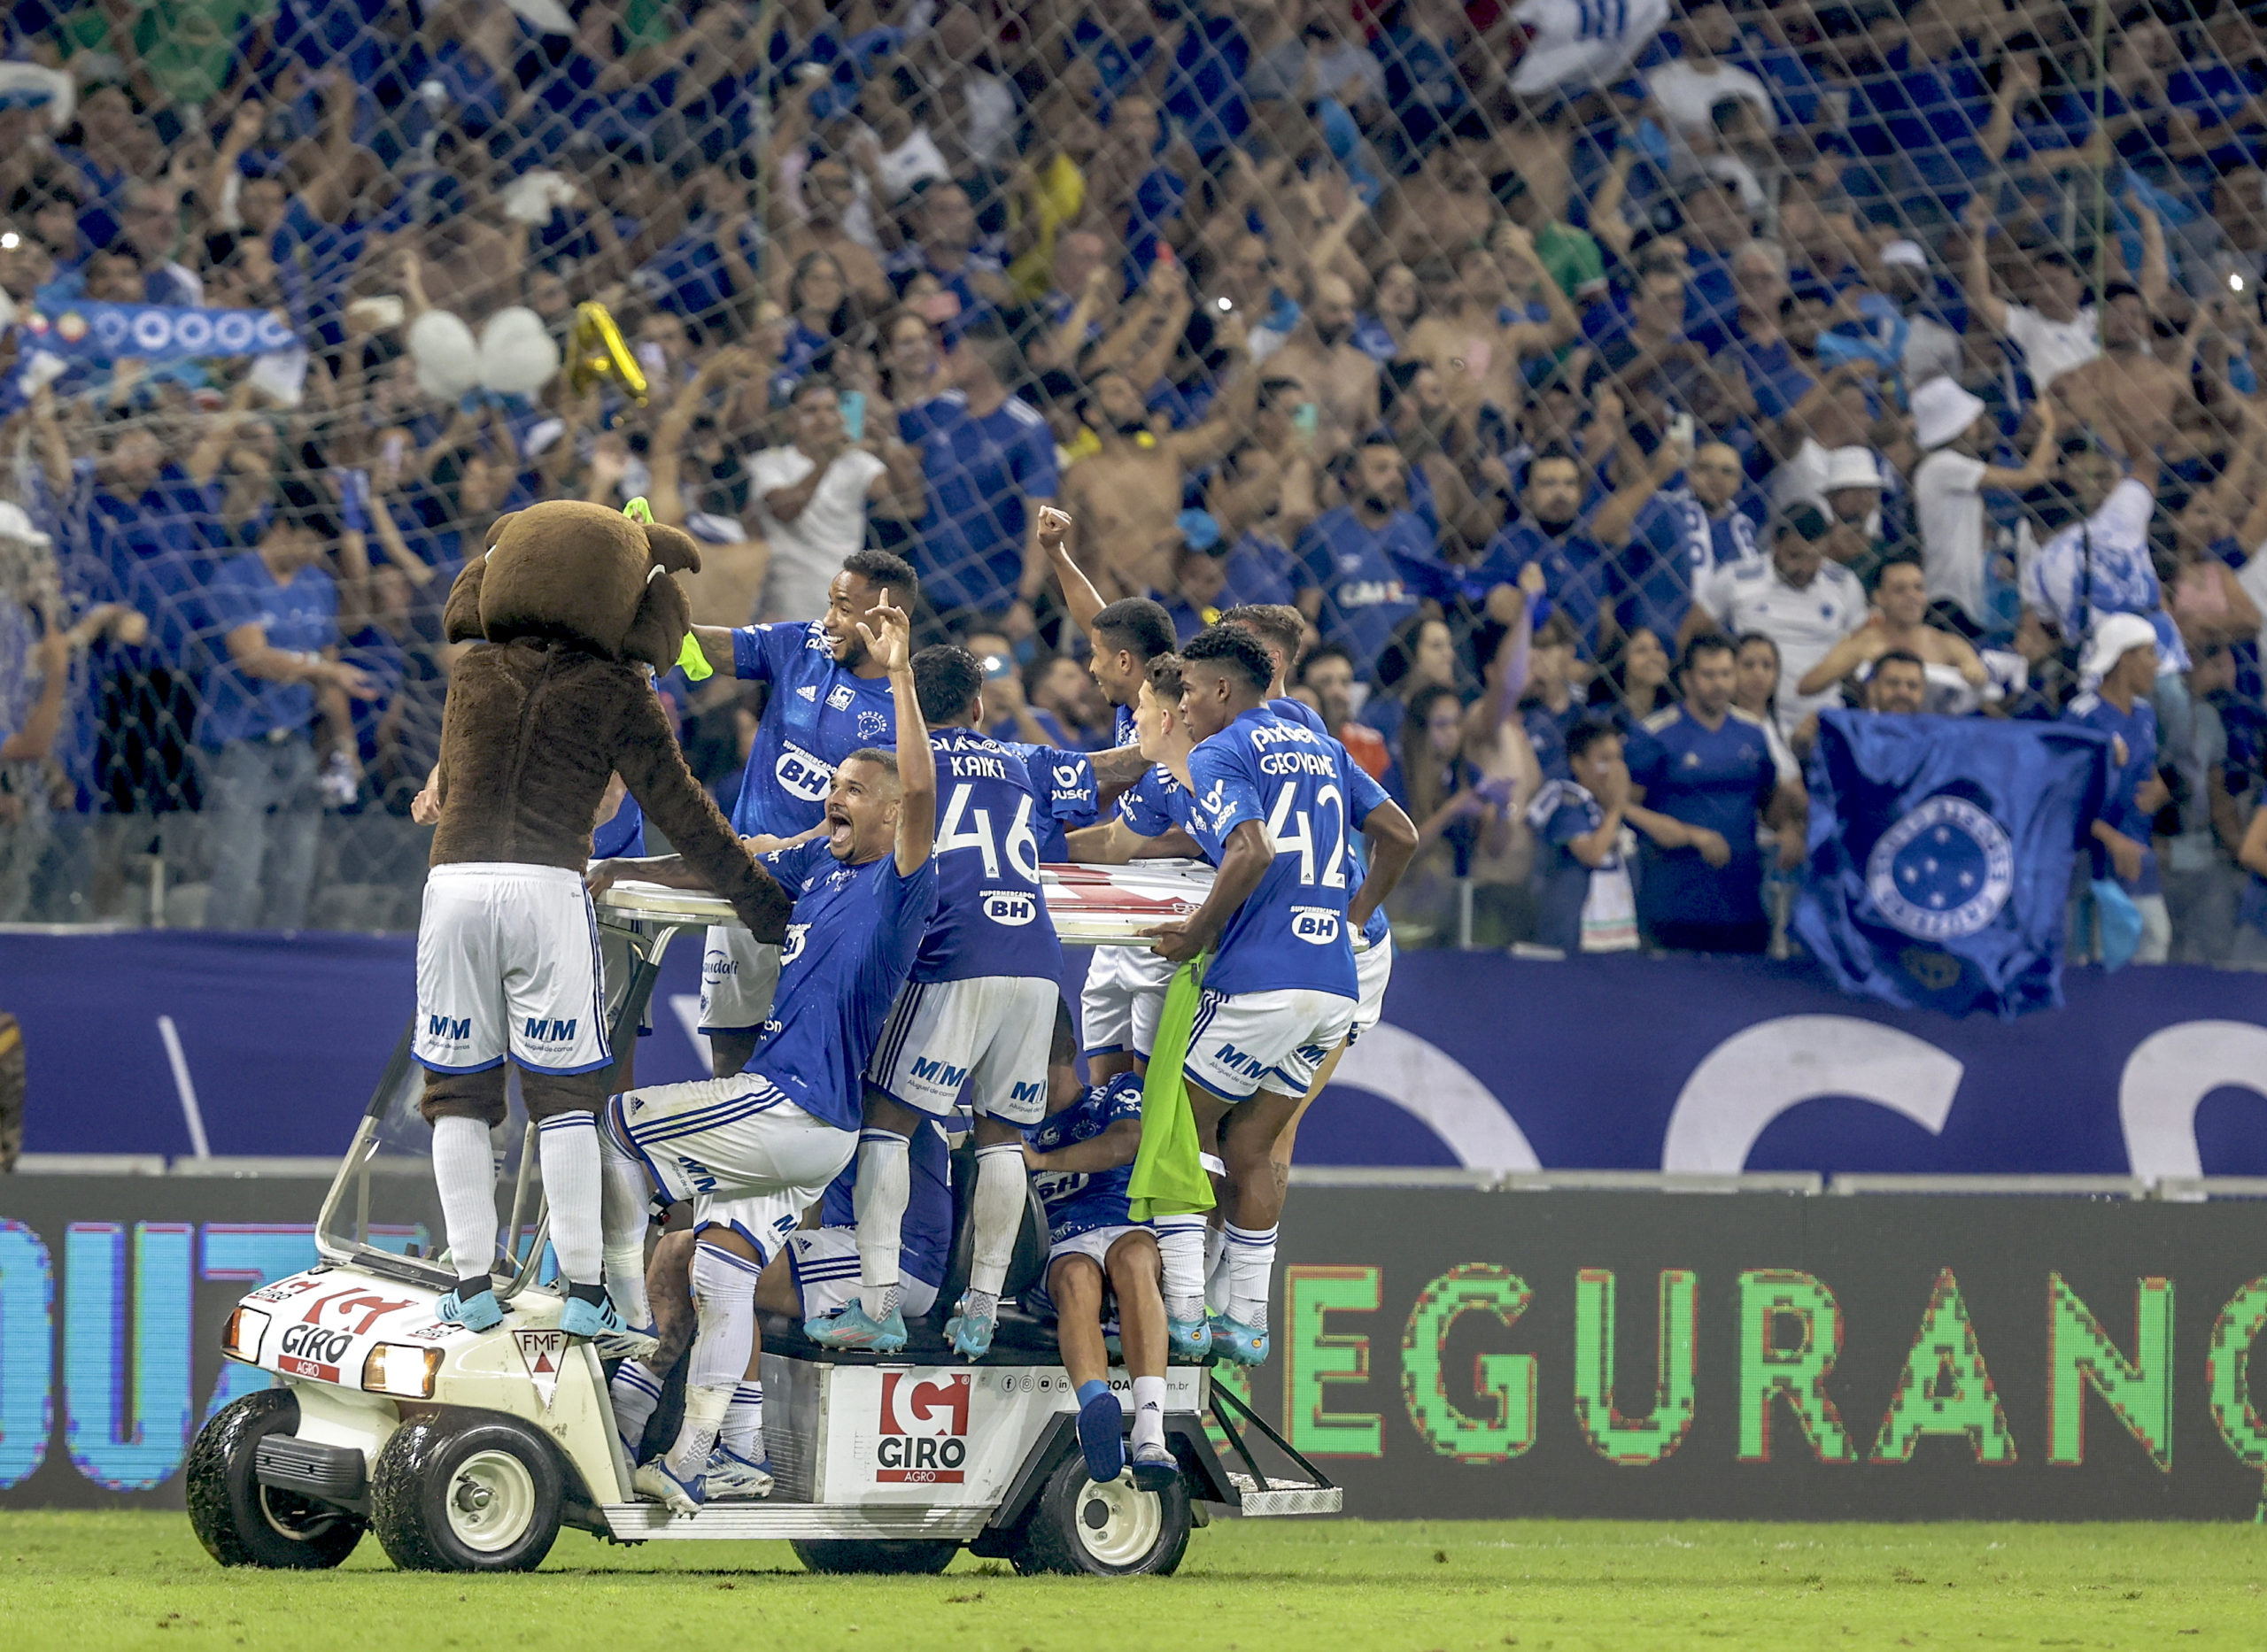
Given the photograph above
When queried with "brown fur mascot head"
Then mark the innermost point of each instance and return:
(573, 573)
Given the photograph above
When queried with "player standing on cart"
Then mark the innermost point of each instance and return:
(785, 1127)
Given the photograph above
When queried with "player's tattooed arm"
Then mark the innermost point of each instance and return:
(1120, 766)
(1244, 859)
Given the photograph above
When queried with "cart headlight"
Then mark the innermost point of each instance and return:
(241, 1337)
(405, 1372)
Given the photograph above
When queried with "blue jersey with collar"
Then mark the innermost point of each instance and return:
(991, 916)
(982, 472)
(1721, 779)
(820, 712)
(1363, 794)
(851, 940)
(2137, 728)
(1673, 543)
(1290, 932)
(925, 1241)
(1371, 579)
(1080, 1202)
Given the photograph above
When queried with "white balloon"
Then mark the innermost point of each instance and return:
(448, 361)
(517, 358)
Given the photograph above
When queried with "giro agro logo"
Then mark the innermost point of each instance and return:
(923, 1429)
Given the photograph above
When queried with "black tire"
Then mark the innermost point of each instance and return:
(242, 1523)
(905, 1557)
(437, 1483)
(1078, 1529)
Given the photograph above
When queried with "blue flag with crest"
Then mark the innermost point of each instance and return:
(1940, 854)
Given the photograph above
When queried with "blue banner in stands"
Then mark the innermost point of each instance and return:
(1630, 1063)
(154, 332)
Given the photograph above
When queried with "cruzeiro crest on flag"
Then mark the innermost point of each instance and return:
(1944, 869)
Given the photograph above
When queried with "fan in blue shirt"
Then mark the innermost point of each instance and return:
(1363, 568)
(1576, 570)
(988, 457)
(2122, 655)
(828, 697)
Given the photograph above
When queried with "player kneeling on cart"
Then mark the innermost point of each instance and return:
(1081, 1160)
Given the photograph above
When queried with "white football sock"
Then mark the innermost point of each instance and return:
(1216, 1268)
(1250, 1261)
(626, 1202)
(724, 1303)
(696, 1436)
(569, 1145)
(1149, 1410)
(878, 1202)
(997, 1208)
(743, 1433)
(465, 1174)
(637, 1395)
(1180, 1246)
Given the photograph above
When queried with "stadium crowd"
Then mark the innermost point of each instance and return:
(1767, 358)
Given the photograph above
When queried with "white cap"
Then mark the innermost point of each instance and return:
(1907, 253)
(1851, 468)
(2116, 636)
(16, 524)
(1941, 411)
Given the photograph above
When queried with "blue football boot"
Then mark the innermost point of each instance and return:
(599, 1322)
(851, 1329)
(970, 1335)
(655, 1482)
(1100, 1439)
(1188, 1339)
(1237, 1343)
(477, 1311)
(730, 1478)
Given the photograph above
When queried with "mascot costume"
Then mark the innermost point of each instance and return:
(572, 608)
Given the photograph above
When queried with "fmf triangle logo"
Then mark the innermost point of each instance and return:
(923, 1429)
(543, 1353)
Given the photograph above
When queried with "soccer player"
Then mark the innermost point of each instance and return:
(807, 1272)
(788, 1125)
(1273, 806)
(1081, 1159)
(828, 699)
(975, 1012)
(1125, 984)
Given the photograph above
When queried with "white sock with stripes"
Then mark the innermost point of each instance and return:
(884, 1184)
(724, 1303)
(997, 1215)
(743, 1434)
(1250, 1261)
(637, 1393)
(1180, 1246)
(570, 1143)
(1215, 1269)
(465, 1174)
(625, 1199)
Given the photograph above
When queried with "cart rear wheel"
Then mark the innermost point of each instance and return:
(922, 1557)
(243, 1523)
(1114, 1531)
(477, 1494)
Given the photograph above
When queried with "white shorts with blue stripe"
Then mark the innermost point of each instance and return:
(825, 1265)
(729, 1138)
(507, 962)
(1246, 1042)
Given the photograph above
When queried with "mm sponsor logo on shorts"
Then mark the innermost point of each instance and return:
(941, 1074)
(544, 1032)
(1318, 926)
(448, 1029)
(1236, 1060)
(1009, 906)
(923, 1429)
(1035, 1090)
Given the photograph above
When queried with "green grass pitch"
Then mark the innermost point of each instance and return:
(94, 1582)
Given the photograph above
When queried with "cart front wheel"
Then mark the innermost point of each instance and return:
(1078, 1527)
(243, 1523)
(478, 1494)
(921, 1558)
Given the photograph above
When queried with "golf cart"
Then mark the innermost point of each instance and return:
(467, 1450)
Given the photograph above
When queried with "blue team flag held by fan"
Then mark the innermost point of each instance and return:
(1940, 855)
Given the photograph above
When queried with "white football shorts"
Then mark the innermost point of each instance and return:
(1253, 1041)
(990, 1034)
(730, 1137)
(764, 1220)
(507, 963)
(737, 977)
(1124, 996)
(824, 1262)
(1373, 969)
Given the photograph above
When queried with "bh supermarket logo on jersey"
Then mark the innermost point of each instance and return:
(923, 1429)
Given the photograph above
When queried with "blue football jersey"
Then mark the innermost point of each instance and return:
(926, 1242)
(622, 835)
(820, 712)
(850, 941)
(1290, 932)
(1069, 794)
(1157, 803)
(1363, 794)
(1122, 730)
(1080, 1202)
(991, 917)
